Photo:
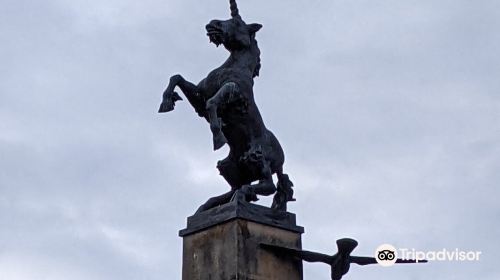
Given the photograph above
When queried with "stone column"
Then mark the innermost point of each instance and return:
(224, 244)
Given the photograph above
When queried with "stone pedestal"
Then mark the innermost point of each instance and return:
(224, 244)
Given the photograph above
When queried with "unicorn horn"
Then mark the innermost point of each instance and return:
(234, 9)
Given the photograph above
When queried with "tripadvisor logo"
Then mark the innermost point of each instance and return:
(387, 255)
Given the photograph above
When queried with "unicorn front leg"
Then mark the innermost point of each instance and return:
(222, 97)
(169, 95)
(190, 91)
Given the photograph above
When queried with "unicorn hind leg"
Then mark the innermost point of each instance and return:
(284, 192)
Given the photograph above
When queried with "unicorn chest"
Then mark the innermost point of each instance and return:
(217, 78)
(210, 85)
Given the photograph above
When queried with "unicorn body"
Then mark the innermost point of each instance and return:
(225, 99)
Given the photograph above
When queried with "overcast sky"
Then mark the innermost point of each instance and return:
(388, 112)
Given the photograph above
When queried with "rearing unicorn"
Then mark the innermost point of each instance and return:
(225, 99)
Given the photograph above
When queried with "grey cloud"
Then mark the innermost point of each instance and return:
(388, 109)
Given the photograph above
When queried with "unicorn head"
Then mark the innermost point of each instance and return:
(233, 33)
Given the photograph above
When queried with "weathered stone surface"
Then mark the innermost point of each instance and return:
(244, 210)
(231, 251)
(223, 243)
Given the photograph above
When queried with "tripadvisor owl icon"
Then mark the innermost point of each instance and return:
(386, 255)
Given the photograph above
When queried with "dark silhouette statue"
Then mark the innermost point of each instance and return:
(339, 262)
(225, 99)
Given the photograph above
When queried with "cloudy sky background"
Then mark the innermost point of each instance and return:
(388, 111)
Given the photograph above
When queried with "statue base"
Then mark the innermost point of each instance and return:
(223, 243)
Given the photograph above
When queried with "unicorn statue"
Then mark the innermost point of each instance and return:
(225, 99)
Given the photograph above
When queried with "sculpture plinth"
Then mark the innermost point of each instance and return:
(224, 243)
